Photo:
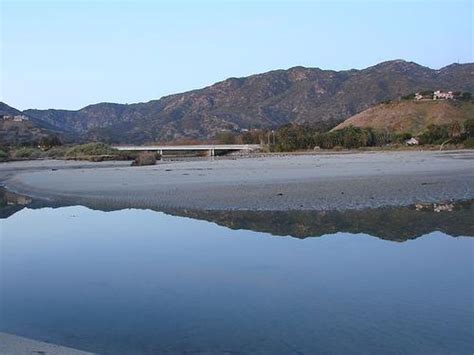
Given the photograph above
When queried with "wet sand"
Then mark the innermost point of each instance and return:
(273, 183)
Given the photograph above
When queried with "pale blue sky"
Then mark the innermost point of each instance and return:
(68, 54)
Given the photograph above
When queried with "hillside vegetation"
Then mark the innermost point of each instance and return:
(89, 151)
(21, 133)
(412, 117)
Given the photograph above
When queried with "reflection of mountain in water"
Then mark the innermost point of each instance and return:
(391, 223)
(11, 203)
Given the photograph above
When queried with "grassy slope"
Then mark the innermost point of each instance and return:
(411, 116)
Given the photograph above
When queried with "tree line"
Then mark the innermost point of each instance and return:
(292, 137)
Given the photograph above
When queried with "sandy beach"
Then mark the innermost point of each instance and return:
(274, 183)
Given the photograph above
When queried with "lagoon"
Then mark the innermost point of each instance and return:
(144, 282)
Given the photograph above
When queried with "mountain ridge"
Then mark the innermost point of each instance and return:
(311, 96)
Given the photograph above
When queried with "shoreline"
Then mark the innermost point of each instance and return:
(257, 183)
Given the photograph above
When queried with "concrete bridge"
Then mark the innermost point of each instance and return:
(209, 148)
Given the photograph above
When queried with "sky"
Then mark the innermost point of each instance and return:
(69, 54)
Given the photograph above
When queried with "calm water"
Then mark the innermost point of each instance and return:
(138, 281)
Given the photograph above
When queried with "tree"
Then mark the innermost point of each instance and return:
(466, 96)
(468, 126)
(435, 134)
(294, 137)
(226, 138)
(49, 142)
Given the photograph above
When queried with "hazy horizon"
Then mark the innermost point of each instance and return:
(70, 55)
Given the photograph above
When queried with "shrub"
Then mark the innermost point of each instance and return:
(348, 137)
(27, 153)
(227, 138)
(90, 149)
(435, 134)
(127, 155)
(3, 155)
(56, 152)
(401, 137)
(293, 137)
(145, 158)
(466, 96)
(253, 137)
(469, 143)
(49, 142)
(468, 126)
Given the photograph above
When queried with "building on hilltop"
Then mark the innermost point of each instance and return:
(418, 96)
(20, 118)
(16, 118)
(436, 95)
(440, 95)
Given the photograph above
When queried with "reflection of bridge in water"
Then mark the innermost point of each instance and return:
(211, 149)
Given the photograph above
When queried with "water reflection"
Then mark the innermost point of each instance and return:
(11, 203)
(390, 223)
(143, 282)
(397, 224)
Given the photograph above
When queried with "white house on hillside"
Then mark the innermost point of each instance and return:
(443, 95)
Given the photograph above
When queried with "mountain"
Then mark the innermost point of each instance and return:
(312, 96)
(6, 110)
(22, 130)
(411, 116)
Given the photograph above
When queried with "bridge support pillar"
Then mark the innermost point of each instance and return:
(212, 152)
